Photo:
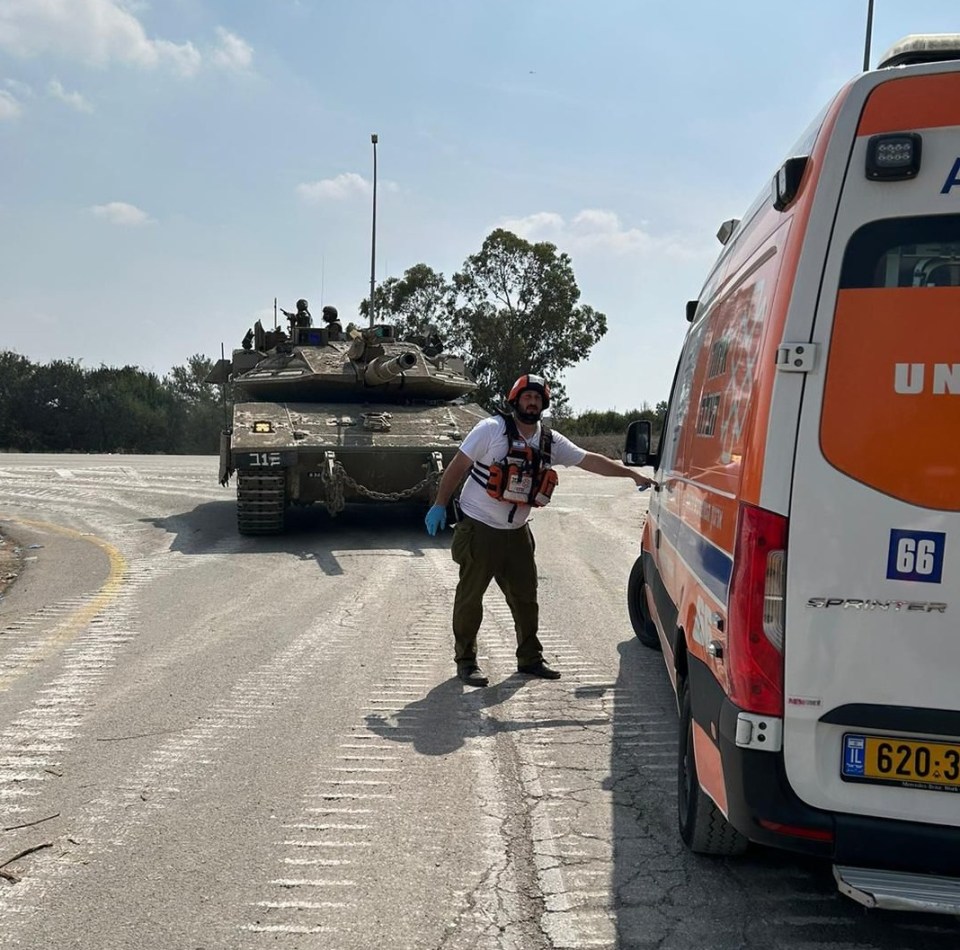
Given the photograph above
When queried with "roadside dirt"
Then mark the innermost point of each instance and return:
(11, 562)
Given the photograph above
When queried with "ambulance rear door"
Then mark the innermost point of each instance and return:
(872, 612)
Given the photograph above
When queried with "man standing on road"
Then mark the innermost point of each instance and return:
(508, 462)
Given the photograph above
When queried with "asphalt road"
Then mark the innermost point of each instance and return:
(224, 742)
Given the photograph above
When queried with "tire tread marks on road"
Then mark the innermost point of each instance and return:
(175, 768)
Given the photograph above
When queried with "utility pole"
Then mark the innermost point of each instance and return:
(866, 45)
(373, 240)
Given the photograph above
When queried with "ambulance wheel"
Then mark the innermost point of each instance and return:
(643, 625)
(703, 828)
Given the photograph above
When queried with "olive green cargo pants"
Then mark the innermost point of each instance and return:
(507, 557)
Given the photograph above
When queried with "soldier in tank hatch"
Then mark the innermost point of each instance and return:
(332, 321)
(302, 317)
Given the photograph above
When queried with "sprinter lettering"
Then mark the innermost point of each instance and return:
(952, 179)
(909, 379)
(856, 603)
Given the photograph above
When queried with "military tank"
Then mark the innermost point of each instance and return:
(326, 417)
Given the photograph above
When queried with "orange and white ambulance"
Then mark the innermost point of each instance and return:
(800, 565)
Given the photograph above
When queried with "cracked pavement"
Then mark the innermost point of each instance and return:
(238, 743)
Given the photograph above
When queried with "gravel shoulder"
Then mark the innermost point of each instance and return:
(11, 561)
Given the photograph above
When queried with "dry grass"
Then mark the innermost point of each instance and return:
(610, 444)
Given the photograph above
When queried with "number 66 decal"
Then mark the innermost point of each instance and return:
(916, 555)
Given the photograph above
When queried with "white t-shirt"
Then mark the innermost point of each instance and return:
(487, 443)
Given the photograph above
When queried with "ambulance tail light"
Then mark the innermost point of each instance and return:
(755, 639)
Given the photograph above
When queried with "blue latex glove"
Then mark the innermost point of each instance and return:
(436, 519)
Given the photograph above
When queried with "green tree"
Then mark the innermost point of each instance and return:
(16, 402)
(517, 311)
(187, 382)
(513, 308)
(135, 412)
(57, 413)
(199, 409)
(420, 298)
(62, 407)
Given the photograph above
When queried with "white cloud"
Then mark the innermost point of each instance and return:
(9, 107)
(347, 185)
(183, 58)
(97, 32)
(72, 99)
(233, 52)
(123, 214)
(595, 229)
(20, 88)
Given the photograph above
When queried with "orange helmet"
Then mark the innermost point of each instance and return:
(529, 381)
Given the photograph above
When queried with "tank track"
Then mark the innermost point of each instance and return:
(261, 500)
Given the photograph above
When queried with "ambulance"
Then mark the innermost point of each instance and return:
(800, 564)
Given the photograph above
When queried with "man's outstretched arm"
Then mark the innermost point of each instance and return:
(601, 465)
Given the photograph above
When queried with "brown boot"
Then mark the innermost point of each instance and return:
(470, 673)
(539, 669)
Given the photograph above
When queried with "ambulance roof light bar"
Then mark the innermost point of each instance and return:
(922, 48)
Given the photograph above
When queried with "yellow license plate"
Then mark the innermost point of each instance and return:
(909, 763)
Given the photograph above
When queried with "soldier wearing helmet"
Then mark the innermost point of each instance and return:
(332, 319)
(302, 317)
(506, 464)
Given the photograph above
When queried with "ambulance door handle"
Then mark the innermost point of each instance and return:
(656, 539)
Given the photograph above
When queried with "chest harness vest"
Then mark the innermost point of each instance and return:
(524, 476)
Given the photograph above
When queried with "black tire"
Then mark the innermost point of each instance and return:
(703, 828)
(643, 625)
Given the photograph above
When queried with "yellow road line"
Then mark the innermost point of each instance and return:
(76, 621)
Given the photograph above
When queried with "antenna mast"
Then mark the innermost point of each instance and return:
(866, 44)
(373, 241)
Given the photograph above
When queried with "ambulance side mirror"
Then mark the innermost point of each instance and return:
(636, 452)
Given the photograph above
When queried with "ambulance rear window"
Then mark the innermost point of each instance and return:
(904, 252)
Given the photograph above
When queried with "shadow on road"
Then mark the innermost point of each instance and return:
(311, 534)
(665, 896)
(450, 713)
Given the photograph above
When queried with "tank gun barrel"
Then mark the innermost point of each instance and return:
(382, 369)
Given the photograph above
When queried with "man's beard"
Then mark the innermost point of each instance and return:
(529, 417)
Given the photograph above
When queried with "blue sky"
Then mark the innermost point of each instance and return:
(168, 168)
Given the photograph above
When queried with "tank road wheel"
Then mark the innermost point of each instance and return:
(643, 625)
(702, 826)
(261, 500)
